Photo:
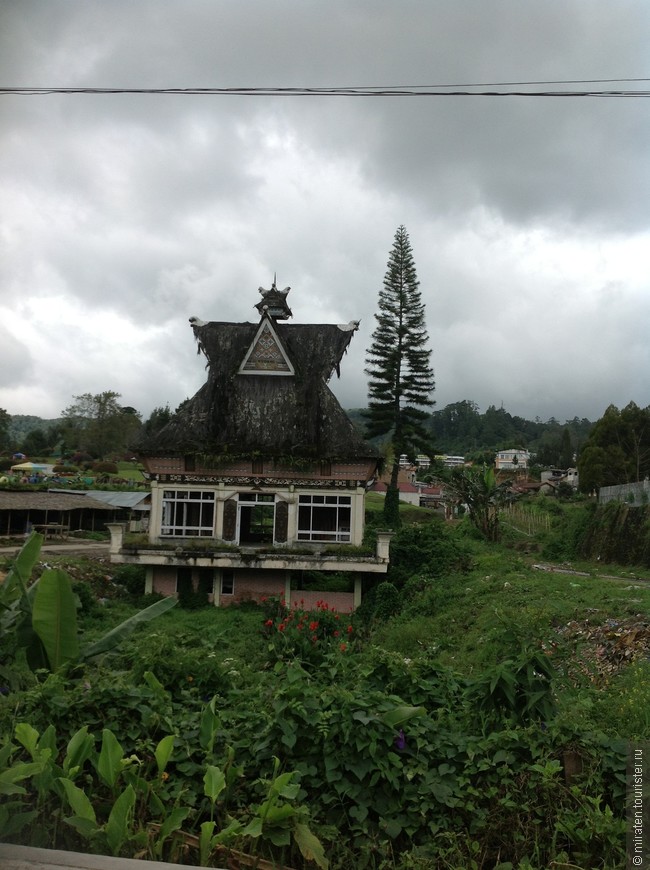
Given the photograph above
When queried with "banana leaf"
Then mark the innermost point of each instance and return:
(124, 629)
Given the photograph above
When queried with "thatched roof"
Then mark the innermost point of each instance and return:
(273, 414)
(48, 501)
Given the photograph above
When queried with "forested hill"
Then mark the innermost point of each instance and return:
(458, 429)
(461, 429)
(21, 425)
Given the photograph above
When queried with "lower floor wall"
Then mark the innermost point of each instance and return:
(226, 587)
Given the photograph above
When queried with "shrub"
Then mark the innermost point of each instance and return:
(307, 635)
(105, 467)
(131, 578)
(426, 548)
(387, 601)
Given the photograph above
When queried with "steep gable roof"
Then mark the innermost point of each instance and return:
(242, 410)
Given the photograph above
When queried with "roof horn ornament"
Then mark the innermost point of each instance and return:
(274, 302)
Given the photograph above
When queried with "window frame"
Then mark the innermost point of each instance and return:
(313, 505)
(175, 522)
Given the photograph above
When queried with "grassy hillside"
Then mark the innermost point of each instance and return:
(474, 713)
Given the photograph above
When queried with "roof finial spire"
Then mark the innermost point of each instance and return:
(274, 301)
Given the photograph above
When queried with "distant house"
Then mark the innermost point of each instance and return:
(561, 475)
(513, 459)
(420, 494)
(261, 476)
(450, 461)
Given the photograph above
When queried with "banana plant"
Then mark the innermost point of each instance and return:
(43, 614)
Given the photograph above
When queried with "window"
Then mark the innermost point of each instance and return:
(324, 518)
(227, 582)
(256, 517)
(188, 513)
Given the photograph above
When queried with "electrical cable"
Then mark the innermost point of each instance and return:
(446, 90)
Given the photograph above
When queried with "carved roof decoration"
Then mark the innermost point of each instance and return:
(266, 356)
(274, 302)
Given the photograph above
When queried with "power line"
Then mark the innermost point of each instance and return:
(502, 89)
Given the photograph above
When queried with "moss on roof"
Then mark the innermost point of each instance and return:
(277, 415)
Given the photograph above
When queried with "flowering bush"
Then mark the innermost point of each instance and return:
(308, 635)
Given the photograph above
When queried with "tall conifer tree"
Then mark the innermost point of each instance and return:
(398, 365)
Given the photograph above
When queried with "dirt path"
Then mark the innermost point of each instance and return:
(68, 547)
(562, 569)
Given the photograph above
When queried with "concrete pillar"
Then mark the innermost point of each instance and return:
(383, 545)
(357, 591)
(117, 537)
(287, 588)
(155, 514)
(358, 517)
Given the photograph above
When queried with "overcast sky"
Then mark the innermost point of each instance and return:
(123, 215)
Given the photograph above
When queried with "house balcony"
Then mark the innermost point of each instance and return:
(211, 553)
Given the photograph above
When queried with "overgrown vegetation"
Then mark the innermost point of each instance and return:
(474, 713)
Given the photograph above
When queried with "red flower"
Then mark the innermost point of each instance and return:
(269, 622)
(336, 633)
(343, 647)
(313, 626)
(350, 629)
(281, 627)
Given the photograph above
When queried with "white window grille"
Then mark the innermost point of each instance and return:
(188, 513)
(324, 518)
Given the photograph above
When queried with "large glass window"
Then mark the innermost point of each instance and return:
(188, 513)
(256, 517)
(324, 518)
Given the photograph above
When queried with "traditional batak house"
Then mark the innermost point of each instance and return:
(260, 476)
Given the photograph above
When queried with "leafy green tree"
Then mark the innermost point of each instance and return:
(5, 438)
(158, 418)
(477, 488)
(617, 450)
(566, 449)
(35, 443)
(398, 366)
(99, 425)
(5, 420)
(457, 426)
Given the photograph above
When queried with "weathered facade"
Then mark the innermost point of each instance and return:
(260, 476)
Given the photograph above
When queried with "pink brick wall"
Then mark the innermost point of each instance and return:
(164, 581)
(255, 585)
(252, 587)
(342, 602)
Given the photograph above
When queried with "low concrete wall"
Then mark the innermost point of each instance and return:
(633, 494)
(29, 858)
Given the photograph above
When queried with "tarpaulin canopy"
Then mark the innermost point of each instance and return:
(33, 467)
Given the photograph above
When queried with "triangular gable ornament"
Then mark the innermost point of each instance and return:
(266, 356)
